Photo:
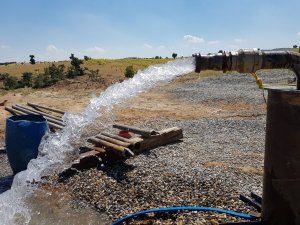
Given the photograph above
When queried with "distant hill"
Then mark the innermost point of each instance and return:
(7, 63)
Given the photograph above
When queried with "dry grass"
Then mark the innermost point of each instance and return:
(18, 69)
(106, 67)
(111, 68)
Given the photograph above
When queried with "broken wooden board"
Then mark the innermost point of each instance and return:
(163, 137)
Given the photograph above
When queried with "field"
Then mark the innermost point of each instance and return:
(107, 67)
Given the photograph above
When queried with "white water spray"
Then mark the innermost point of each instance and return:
(57, 149)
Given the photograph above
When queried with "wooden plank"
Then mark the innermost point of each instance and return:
(164, 137)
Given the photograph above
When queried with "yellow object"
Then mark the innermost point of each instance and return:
(258, 81)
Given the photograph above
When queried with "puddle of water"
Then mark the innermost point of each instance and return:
(51, 207)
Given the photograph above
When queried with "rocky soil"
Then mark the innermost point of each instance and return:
(220, 157)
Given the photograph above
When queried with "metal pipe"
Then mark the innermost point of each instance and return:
(249, 61)
(47, 108)
(119, 138)
(121, 150)
(281, 186)
(112, 140)
(42, 113)
(281, 183)
(17, 112)
(46, 117)
(135, 143)
(143, 132)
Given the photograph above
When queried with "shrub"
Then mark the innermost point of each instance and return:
(129, 72)
(174, 55)
(94, 75)
(39, 81)
(3, 76)
(86, 58)
(10, 83)
(26, 80)
(56, 73)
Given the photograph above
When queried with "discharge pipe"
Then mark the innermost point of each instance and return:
(249, 61)
(281, 182)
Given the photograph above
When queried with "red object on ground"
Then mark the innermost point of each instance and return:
(124, 134)
(3, 103)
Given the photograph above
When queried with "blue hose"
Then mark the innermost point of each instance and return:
(185, 208)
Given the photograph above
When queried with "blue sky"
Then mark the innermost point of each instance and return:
(53, 29)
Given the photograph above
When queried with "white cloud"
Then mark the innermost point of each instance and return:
(53, 48)
(4, 46)
(298, 33)
(214, 42)
(239, 40)
(193, 39)
(54, 53)
(95, 49)
(147, 46)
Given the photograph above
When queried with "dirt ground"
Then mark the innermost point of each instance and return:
(74, 95)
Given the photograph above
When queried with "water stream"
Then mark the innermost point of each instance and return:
(57, 150)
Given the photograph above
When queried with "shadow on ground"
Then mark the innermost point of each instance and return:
(5, 183)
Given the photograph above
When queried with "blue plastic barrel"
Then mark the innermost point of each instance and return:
(23, 136)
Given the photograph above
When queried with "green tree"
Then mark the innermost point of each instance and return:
(86, 58)
(174, 55)
(32, 60)
(75, 69)
(295, 46)
(129, 72)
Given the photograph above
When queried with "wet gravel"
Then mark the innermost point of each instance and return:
(218, 159)
(5, 168)
(6, 174)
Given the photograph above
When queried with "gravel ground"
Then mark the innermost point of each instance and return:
(218, 159)
(231, 88)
